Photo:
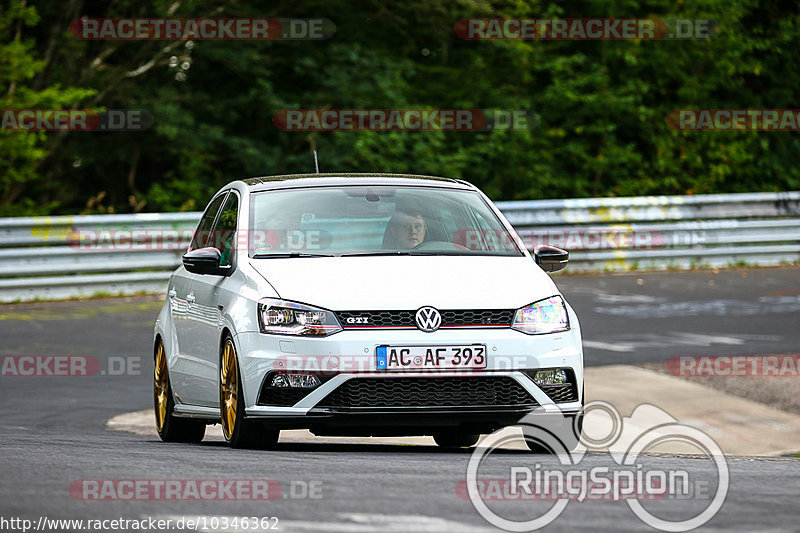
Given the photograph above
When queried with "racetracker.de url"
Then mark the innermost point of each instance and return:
(183, 523)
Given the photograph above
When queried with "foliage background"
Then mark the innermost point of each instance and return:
(601, 104)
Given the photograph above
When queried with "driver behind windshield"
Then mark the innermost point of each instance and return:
(405, 230)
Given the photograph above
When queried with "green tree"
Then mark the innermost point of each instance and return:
(22, 152)
(600, 105)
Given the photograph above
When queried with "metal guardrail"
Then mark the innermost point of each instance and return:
(39, 257)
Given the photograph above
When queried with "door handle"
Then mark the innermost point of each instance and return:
(172, 293)
(190, 298)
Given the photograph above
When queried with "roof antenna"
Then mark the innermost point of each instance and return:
(313, 149)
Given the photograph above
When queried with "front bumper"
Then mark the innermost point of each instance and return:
(351, 354)
(401, 422)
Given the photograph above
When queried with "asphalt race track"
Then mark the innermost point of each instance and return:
(54, 435)
(650, 317)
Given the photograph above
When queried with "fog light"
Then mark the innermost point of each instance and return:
(279, 380)
(550, 377)
(302, 381)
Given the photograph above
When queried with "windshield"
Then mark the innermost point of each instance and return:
(381, 220)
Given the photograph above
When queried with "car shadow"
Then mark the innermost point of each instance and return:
(337, 447)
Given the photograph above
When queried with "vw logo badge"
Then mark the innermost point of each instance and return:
(428, 319)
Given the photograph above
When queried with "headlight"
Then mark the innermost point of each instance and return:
(290, 318)
(545, 316)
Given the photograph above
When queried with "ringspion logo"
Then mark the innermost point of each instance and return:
(563, 477)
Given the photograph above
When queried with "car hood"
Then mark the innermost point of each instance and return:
(407, 282)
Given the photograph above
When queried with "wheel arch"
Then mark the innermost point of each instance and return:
(226, 331)
(158, 338)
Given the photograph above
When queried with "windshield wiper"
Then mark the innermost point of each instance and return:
(355, 254)
(289, 254)
(404, 252)
(364, 254)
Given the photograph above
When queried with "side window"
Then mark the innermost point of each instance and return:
(202, 235)
(225, 230)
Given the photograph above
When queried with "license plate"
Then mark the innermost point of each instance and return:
(472, 356)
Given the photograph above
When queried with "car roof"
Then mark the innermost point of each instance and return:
(351, 178)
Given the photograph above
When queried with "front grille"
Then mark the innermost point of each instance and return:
(482, 317)
(384, 319)
(481, 391)
(405, 319)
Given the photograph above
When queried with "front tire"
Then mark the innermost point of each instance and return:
(565, 436)
(171, 428)
(239, 432)
(456, 440)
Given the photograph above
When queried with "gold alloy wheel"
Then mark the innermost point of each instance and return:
(228, 389)
(160, 387)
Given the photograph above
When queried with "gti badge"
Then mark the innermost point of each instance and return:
(357, 319)
(428, 319)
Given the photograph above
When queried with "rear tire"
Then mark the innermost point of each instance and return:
(239, 432)
(456, 440)
(171, 428)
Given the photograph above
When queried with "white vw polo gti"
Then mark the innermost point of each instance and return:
(362, 304)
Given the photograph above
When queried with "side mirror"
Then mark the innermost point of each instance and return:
(204, 261)
(550, 258)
